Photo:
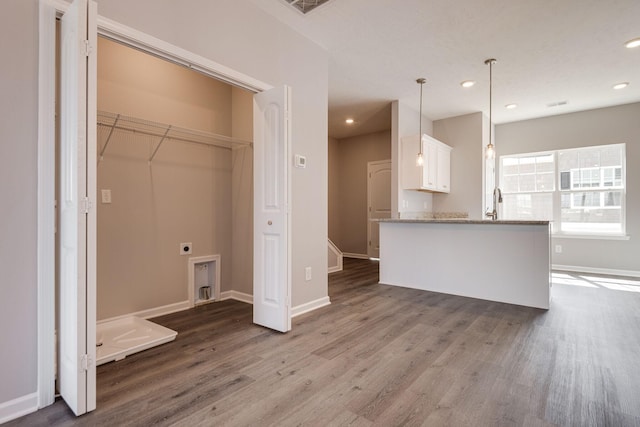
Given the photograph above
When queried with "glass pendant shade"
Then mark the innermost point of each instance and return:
(490, 153)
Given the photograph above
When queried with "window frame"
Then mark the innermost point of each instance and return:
(602, 189)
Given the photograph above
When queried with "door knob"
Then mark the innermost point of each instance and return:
(269, 222)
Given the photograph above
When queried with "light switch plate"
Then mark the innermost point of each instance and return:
(106, 196)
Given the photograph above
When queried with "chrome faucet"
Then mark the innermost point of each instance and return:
(497, 198)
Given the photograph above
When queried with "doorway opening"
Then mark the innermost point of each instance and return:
(175, 165)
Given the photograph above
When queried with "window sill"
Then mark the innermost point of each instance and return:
(591, 236)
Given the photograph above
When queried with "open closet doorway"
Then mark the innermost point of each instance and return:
(174, 199)
(120, 239)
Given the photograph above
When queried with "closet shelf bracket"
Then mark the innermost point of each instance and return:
(106, 143)
(159, 144)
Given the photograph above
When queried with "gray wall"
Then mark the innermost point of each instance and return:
(18, 185)
(350, 214)
(464, 134)
(334, 191)
(236, 34)
(242, 194)
(620, 124)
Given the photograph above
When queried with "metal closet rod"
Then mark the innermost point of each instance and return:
(164, 132)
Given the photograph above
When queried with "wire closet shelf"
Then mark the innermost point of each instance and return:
(110, 122)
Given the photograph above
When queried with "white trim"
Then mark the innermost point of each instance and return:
(18, 407)
(310, 306)
(590, 236)
(353, 255)
(238, 296)
(596, 270)
(335, 269)
(46, 206)
(152, 312)
(338, 253)
(154, 46)
(191, 277)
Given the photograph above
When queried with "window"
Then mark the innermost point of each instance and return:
(581, 190)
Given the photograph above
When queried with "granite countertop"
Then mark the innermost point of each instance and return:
(460, 221)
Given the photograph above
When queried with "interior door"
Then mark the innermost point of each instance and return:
(271, 222)
(77, 308)
(378, 201)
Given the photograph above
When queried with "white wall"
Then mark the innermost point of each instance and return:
(231, 32)
(594, 127)
(18, 207)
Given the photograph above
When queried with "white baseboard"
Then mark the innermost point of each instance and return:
(352, 255)
(16, 408)
(309, 306)
(153, 312)
(334, 269)
(594, 270)
(295, 311)
(238, 296)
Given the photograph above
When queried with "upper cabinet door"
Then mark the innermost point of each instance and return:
(443, 169)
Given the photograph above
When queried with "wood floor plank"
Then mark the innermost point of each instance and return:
(384, 356)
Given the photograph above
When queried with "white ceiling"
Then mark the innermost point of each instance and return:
(547, 51)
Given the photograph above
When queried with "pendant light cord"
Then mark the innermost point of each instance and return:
(490, 98)
(490, 148)
(421, 84)
(421, 81)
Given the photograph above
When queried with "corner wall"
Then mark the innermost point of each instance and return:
(404, 122)
(611, 125)
(465, 135)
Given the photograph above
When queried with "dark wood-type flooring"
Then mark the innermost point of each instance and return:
(383, 355)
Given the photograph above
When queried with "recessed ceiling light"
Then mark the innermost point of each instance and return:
(349, 121)
(633, 43)
(467, 83)
(620, 85)
(511, 106)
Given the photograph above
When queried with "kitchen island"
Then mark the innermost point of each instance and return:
(505, 261)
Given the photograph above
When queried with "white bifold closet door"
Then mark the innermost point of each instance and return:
(77, 301)
(271, 221)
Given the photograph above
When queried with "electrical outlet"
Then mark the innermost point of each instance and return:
(558, 249)
(186, 248)
(307, 273)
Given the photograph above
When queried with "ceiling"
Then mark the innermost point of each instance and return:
(547, 51)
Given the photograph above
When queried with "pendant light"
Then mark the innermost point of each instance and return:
(490, 151)
(420, 158)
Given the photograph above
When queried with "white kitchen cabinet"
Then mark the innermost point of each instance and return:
(435, 173)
